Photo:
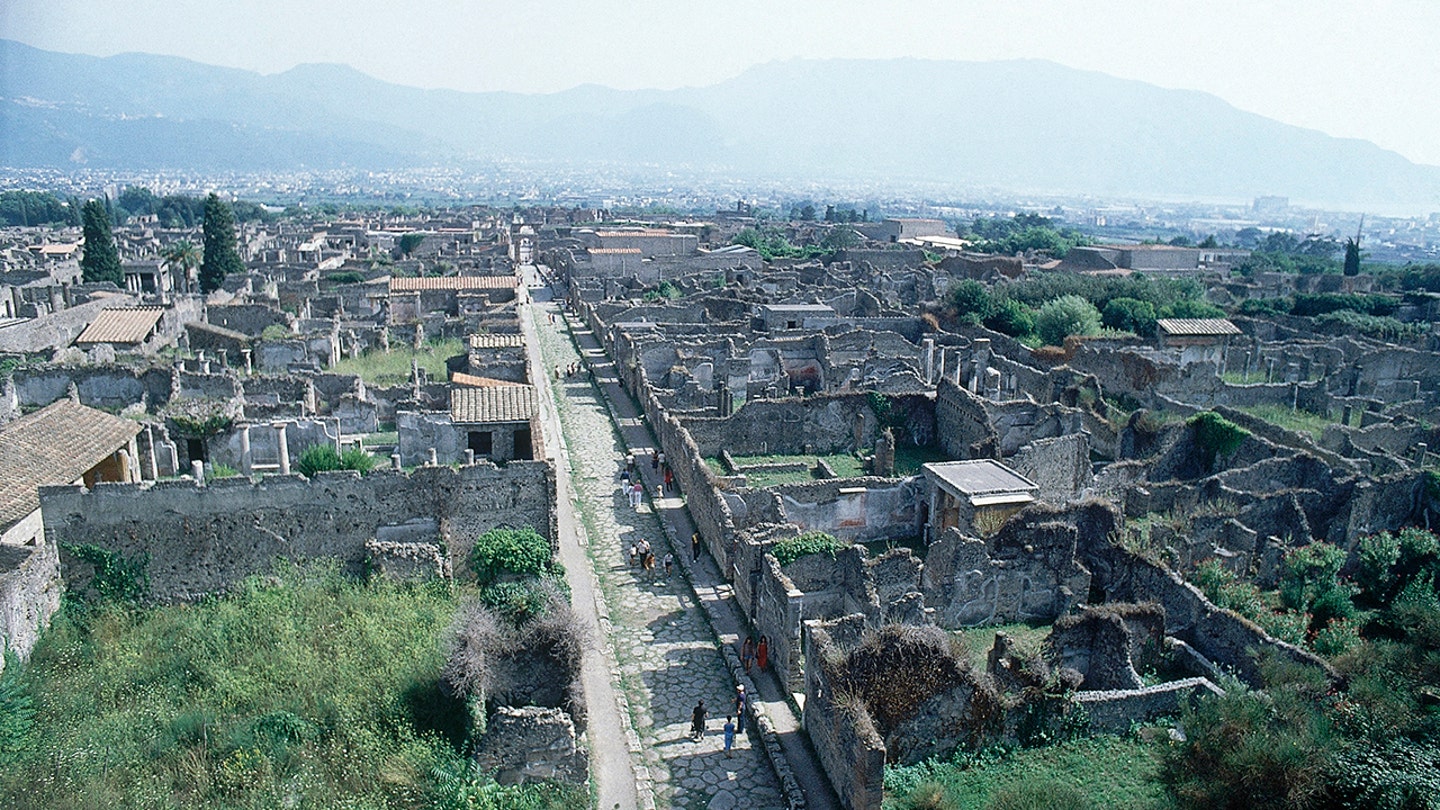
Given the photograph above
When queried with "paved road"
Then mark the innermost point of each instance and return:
(661, 643)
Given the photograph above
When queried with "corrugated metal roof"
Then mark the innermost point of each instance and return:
(55, 445)
(508, 403)
(121, 325)
(496, 341)
(979, 478)
(452, 283)
(1198, 327)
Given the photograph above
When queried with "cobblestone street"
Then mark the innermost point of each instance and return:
(657, 635)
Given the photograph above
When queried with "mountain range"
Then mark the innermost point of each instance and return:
(1023, 125)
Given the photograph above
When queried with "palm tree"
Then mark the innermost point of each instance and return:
(185, 255)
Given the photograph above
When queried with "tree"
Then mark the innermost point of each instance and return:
(1129, 315)
(185, 255)
(1352, 257)
(970, 300)
(221, 256)
(100, 260)
(1065, 316)
(840, 237)
(1010, 317)
(408, 242)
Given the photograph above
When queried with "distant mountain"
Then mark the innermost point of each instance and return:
(1019, 125)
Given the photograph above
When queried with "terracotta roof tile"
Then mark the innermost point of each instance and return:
(1197, 327)
(452, 283)
(497, 341)
(55, 445)
(508, 403)
(475, 381)
(121, 325)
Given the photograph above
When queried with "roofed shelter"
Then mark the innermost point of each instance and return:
(1197, 339)
(979, 492)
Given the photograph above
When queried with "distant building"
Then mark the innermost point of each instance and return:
(1271, 205)
(896, 229)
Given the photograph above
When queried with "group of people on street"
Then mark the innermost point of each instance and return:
(734, 722)
(643, 556)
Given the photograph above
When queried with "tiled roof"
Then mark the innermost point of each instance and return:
(496, 341)
(622, 234)
(980, 477)
(1197, 327)
(452, 283)
(473, 381)
(123, 325)
(614, 251)
(508, 403)
(55, 445)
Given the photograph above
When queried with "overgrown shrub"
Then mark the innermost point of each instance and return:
(512, 553)
(1216, 436)
(346, 277)
(970, 300)
(1064, 316)
(1040, 796)
(1310, 583)
(793, 548)
(324, 457)
(17, 711)
(116, 578)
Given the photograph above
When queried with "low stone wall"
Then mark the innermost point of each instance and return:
(200, 540)
(1114, 712)
(29, 595)
(856, 509)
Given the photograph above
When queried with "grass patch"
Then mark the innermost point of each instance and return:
(393, 367)
(979, 640)
(1300, 421)
(304, 689)
(909, 458)
(1105, 772)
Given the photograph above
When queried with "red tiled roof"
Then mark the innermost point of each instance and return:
(55, 445)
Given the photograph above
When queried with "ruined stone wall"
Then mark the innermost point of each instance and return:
(30, 590)
(962, 424)
(1061, 466)
(247, 319)
(855, 509)
(200, 540)
(106, 387)
(849, 748)
(828, 423)
(1223, 637)
(1029, 572)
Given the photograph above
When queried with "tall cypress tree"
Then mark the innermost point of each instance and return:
(221, 256)
(100, 261)
(1352, 257)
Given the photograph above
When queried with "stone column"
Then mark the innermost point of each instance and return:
(284, 449)
(197, 469)
(469, 456)
(928, 348)
(395, 461)
(432, 461)
(247, 459)
(249, 362)
(122, 460)
(152, 465)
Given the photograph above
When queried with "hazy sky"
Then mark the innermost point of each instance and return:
(1353, 69)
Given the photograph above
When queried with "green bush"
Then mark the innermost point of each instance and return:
(1310, 583)
(1191, 308)
(117, 579)
(324, 457)
(1011, 317)
(1266, 306)
(511, 553)
(1129, 315)
(970, 300)
(793, 548)
(1380, 327)
(1312, 304)
(317, 458)
(1065, 316)
(346, 277)
(518, 602)
(1216, 436)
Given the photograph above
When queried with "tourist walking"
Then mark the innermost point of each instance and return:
(669, 480)
(697, 721)
(747, 654)
(669, 564)
(694, 547)
(740, 700)
(762, 653)
(654, 459)
(729, 736)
